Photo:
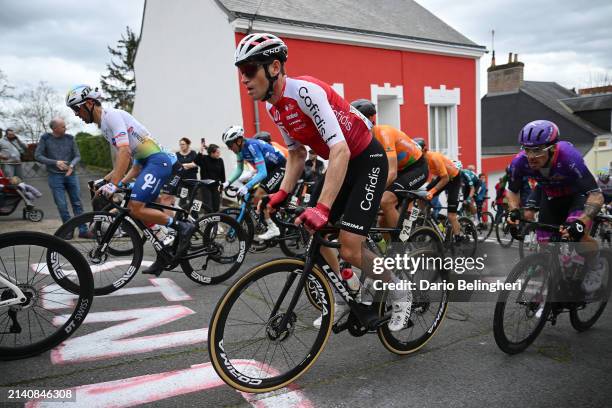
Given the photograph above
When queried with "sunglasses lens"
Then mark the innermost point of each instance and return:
(249, 70)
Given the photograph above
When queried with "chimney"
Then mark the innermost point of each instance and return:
(507, 77)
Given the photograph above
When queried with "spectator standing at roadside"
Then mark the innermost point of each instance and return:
(211, 167)
(11, 149)
(59, 152)
(187, 157)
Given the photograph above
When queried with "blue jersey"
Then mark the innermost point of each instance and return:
(257, 152)
(566, 176)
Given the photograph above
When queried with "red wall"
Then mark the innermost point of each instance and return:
(358, 67)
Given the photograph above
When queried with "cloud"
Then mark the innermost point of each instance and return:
(561, 41)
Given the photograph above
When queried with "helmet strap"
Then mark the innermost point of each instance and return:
(271, 80)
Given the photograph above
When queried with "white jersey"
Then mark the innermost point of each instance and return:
(122, 129)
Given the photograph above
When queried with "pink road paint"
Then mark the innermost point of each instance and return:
(53, 297)
(150, 388)
(119, 340)
(43, 269)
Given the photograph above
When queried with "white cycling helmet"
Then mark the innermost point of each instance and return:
(260, 47)
(232, 133)
(80, 93)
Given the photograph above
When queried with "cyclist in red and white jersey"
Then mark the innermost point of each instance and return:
(309, 112)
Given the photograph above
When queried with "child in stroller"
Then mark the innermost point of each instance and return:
(12, 191)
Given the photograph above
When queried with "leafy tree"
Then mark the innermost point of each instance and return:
(119, 84)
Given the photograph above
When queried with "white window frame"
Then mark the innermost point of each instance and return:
(450, 98)
(339, 88)
(388, 90)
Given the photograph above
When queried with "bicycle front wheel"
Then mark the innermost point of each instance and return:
(48, 314)
(485, 226)
(247, 348)
(502, 232)
(520, 314)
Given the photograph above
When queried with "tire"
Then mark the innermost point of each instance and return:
(539, 265)
(218, 263)
(40, 293)
(255, 287)
(582, 322)
(485, 229)
(108, 277)
(529, 245)
(295, 246)
(35, 215)
(467, 247)
(406, 341)
(246, 223)
(426, 238)
(505, 239)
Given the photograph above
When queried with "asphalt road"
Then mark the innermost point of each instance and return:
(147, 345)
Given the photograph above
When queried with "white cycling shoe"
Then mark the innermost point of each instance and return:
(340, 310)
(400, 315)
(272, 232)
(594, 277)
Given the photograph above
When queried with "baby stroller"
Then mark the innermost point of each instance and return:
(10, 197)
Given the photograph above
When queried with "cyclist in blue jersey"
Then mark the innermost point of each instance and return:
(569, 193)
(152, 166)
(270, 166)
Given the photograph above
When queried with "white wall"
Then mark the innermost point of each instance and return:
(187, 85)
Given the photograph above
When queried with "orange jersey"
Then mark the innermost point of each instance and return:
(397, 144)
(281, 149)
(440, 165)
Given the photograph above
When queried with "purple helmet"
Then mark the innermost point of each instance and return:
(539, 132)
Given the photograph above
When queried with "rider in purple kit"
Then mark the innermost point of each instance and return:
(569, 193)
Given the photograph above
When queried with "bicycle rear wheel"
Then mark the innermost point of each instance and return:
(49, 314)
(520, 314)
(112, 268)
(245, 348)
(221, 256)
(427, 311)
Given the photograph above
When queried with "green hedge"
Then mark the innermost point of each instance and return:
(95, 150)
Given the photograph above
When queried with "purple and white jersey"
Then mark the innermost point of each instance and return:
(567, 175)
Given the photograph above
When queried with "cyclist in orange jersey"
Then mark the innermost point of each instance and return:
(407, 167)
(444, 176)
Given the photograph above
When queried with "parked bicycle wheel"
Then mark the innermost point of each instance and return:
(47, 314)
(586, 314)
(245, 347)
(427, 311)
(216, 257)
(521, 314)
(114, 267)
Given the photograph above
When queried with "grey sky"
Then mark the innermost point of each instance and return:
(63, 42)
(563, 41)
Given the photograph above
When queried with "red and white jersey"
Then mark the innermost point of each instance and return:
(311, 113)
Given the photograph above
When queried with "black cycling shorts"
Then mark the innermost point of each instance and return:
(359, 197)
(452, 189)
(271, 184)
(412, 177)
(559, 211)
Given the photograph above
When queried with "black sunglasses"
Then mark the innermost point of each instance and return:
(249, 70)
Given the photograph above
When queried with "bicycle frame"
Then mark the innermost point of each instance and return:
(20, 298)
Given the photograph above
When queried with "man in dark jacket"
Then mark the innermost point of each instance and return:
(60, 153)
